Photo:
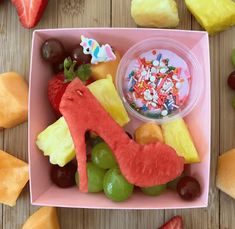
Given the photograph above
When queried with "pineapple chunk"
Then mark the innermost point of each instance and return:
(56, 142)
(105, 92)
(176, 135)
(153, 13)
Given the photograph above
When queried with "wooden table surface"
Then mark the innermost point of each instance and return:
(15, 45)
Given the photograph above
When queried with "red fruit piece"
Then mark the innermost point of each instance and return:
(142, 165)
(56, 89)
(30, 12)
(231, 80)
(174, 223)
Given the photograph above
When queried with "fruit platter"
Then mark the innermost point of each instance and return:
(119, 118)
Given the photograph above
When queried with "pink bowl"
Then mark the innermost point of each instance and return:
(42, 191)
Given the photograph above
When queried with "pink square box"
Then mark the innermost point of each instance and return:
(43, 192)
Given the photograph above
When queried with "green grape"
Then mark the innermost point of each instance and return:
(95, 178)
(102, 156)
(155, 190)
(234, 102)
(116, 187)
(173, 184)
(233, 57)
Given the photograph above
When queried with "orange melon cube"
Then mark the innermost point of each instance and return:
(13, 100)
(13, 177)
(44, 218)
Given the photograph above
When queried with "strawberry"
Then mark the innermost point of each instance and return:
(58, 84)
(56, 89)
(30, 11)
(174, 223)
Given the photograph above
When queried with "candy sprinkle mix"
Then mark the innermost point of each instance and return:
(153, 86)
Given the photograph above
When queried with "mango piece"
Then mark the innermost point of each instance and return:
(153, 13)
(176, 135)
(105, 92)
(13, 177)
(213, 15)
(225, 179)
(44, 218)
(148, 133)
(101, 70)
(13, 100)
(56, 142)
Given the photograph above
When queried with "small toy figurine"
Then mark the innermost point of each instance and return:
(99, 53)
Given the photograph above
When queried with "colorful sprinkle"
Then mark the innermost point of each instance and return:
(155, 85)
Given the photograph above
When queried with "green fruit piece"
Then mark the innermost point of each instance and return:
(95, 141)
(233, 57)
(234, 102)
(173, 184)
(95, 178)
(155, 190)
(56, 142)
(102, 156)
(116, 187)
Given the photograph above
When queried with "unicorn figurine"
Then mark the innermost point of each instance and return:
(103, 53)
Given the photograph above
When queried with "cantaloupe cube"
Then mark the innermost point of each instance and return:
(177, 135)
(225, 179)
(44, 218)
(13, 100)
(101, 70)
(13, 177)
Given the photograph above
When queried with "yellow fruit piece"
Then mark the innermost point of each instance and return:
(13, 100)
(13, 177)
(105, 92)
(148, 133)
(176, 134)
(153, 13)
(101, 70)
(44, 218)
(56, 142)
(213, 15)
(225, 179)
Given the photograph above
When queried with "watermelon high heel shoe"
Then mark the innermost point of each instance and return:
(141, 165)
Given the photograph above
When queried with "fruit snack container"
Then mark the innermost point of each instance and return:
(197, 114)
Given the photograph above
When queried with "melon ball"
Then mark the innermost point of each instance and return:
(153, 13)
(101, 70)
(148, 133)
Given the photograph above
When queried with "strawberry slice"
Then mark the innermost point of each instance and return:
(56, 89)
(174, 223)
(59, 82)
(30, 11)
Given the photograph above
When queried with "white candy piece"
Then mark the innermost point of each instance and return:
(152, 78)
(143, 73)
(153, 70)
(164, 113)
(178, 85)
(163, 70)
(155, 63)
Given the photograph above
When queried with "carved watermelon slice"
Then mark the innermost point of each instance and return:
(142, 165)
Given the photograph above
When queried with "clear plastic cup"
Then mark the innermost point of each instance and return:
(195, 70)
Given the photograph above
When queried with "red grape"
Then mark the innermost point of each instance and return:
(231, 80)
(53, 51)
(188, 188)
(78, 55)
(64, 177)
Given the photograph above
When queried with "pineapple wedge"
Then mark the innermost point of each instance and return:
(56, 142)
(176, 135)
(105, 92)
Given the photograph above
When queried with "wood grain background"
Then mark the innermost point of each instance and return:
(15, 45)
